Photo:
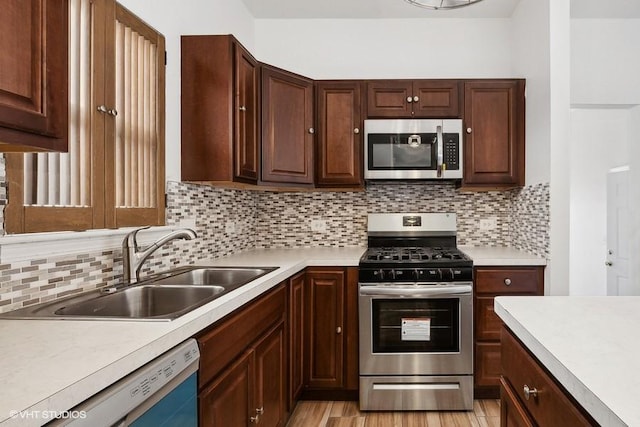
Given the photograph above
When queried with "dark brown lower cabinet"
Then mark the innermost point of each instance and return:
(490, 282)
(242, 376)
(331, 325)
(296, 338)
(530, 395)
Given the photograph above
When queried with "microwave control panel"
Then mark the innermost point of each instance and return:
(451, 151)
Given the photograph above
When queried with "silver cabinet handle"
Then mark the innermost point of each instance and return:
(255, 420)
(338, 330)
(312, 130)
(103, 109)
(242, 108)
(416, 99)
(530, 392)
(409, 99)
(468, 130)
(507, 281)
(356, 131)
(608, 263)
(113, 112)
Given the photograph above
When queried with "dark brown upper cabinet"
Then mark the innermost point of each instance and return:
(34, 75)
(340, 134)
(413, 98)
(494, 127)
(287, 127)
(220, 110)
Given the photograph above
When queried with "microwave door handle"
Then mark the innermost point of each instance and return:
(440, 150)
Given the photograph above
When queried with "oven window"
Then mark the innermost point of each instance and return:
(402, 151)
(416, 325)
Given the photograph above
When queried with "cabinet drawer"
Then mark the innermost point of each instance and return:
(512, 414)
(226, 340)
(550, 405)
(509, 280)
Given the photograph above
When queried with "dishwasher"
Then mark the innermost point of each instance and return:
(162, 393)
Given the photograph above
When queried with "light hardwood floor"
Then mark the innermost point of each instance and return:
(486, 413)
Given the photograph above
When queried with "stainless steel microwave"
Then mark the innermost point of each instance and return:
(413, 149)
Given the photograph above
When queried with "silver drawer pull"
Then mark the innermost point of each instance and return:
(530, 392)
(507, 281)
(338, 330)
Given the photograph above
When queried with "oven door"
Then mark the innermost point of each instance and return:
(416, 330)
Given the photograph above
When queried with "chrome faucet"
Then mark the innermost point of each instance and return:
(133, 257)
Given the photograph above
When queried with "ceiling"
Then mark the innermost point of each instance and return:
(385, 9)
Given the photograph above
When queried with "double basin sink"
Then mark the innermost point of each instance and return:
(161, 297)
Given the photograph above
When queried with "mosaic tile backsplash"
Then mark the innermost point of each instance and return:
(231, 221)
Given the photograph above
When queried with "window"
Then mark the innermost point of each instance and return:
(113, 174)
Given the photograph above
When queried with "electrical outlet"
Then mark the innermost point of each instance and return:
(230, 227)
(488, 224)
(188, 223)
(319, 225)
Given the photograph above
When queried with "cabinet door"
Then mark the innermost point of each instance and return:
(512, 414)
(287, 127)
(389, 98)
(228, 401)
(494, 133)
(339, 148)
(296, 338)
(246, 115)
(488, 366)
(270, 379)
(34, 78)
(436, 98)
(324, 353)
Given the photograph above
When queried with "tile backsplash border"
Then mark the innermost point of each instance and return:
(232, 221)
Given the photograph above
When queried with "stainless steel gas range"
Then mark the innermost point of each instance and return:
(416, 315)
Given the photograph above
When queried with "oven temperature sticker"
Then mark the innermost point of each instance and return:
(416, 329)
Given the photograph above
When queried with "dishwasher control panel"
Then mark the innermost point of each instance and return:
(116, 401)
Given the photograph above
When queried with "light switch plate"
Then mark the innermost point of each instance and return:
(319, 225)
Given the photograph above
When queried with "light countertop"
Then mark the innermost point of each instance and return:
(589, 344)
(485, 256)
(52, 365)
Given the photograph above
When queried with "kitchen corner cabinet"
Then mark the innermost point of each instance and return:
(490, 282)
(529, 395)
(331, 349)
(34, 84)
(220, 110)
(494, 127)
(340, 135)
(413, 99)
(296, 338)
(242, 375)
(287, 127)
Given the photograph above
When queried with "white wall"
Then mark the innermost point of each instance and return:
(389, 48)
(599, 142)
(605, 61)
(176, 18)
(530, 59)
(605, 65)
(560, 161)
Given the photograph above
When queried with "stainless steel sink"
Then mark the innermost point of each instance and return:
(144, 301)
(216, 276)
(164, 296)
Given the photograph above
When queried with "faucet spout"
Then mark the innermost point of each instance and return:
(133, 256)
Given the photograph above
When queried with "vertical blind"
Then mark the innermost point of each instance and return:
(137, 121)
(64, 179)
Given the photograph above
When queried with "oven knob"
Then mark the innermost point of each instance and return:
(417, 274)
(392, 274)
(379, 274)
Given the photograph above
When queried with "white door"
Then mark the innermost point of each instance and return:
(618, 232)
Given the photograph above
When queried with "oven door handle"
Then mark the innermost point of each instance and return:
(414, 291)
